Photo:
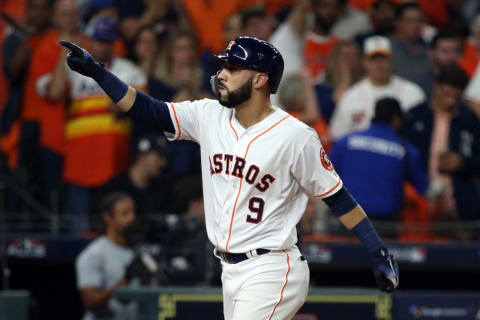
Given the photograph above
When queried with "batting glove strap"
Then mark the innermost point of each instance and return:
(385, 269)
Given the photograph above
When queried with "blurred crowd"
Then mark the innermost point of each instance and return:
(391, 87)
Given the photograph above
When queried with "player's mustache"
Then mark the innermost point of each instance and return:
(221, 84)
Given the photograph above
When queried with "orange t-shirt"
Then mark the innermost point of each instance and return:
(51, 114)
(97, 140)
(274, 6)
(435, 12)
(9, 145)
(16, 10)
(317, 52)
(97, 144)
(9, 141)
(208, 18)
(469, 60)
(30, 107)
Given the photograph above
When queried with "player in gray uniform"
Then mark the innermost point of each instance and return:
(102, 264)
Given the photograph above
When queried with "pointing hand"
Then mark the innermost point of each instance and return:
(79, 60)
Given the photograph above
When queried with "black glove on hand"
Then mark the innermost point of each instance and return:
(385, 269)
(81, 61)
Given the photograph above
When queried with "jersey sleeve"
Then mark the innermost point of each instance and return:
(185, 117)
(88, 270)
(314, 171)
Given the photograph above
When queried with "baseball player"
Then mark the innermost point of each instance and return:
(259, 167)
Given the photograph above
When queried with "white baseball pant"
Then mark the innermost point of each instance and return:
(272, 286)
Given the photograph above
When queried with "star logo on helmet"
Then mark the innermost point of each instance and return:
(230, 45)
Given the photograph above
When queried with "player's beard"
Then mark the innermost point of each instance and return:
(236, 97)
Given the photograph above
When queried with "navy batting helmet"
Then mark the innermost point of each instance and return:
(256, 54)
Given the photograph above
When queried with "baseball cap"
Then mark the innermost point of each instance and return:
(149, 143)
(102, 28)
(377, 45)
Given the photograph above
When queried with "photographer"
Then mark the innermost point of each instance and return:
(101, 267)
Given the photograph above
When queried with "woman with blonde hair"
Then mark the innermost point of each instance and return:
(180, 68)
(343, 71)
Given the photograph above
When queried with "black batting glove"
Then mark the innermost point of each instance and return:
(385, 269)
(79, 60)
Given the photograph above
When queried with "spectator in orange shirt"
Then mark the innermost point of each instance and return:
(21, 105)
(49, 58)
(16, 11)
(97, 138)
(320, 41)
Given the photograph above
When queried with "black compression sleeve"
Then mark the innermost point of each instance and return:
(151, 110)
(341, 202)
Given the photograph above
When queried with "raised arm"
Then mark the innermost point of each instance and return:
(127, 98)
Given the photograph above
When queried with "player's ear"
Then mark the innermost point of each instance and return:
(260, 80)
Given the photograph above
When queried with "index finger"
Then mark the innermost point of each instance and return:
(71, 46)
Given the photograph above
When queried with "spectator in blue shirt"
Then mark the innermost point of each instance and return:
(374, 163)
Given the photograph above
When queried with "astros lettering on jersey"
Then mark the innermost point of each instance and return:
(256, 181)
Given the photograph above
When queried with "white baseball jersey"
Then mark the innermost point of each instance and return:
(256, 181)
(357, 106)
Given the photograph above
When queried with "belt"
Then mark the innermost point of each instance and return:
(239, 257)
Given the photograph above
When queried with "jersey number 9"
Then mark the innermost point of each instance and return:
(255, 205)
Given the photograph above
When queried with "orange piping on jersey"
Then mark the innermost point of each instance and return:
(325, 193)
(236, 135)
(283, 288)
(240, 188)
(178, 123)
